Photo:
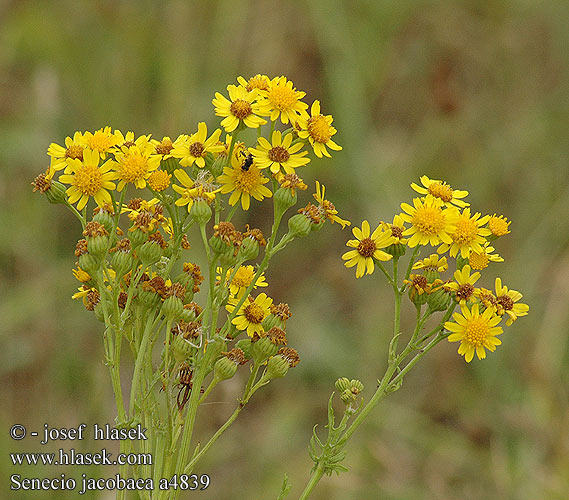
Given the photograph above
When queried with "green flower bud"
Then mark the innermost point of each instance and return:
(137, 237)
(299, 225)
(249, 249)
(347, 396)
(396, 249)
(284, 199)
(277, 367)
(270, 321)
(200, 211)
(263, 349)
(228, 258)
(90, 263)
(56, 193)
(105, 219)
(356, 386)
(148, 298)
(97, 245)
(181, 348)
(217, 166)
(431, 275)
(224, 368)
(246, 346)
(213, 349)
(218, 245)
(172, 307)
(342, 384)
(439, 300)
(460, 262)
(150, 253)
(122, 262)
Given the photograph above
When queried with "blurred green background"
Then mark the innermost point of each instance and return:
(474, 92)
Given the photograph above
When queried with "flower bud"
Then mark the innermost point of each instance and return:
(249, 249)
(439, 300)
(342, 384)
(246, 346)
(172, 307)
(181, 348)
(150, 253)
(56, 193)
(277, 367)
(169, 165)
(217, 166)
(137, 237)
(284, 199)
(89, 263)
(200, 211)
(218, 245)
(98, 245)
(299, 225)
(105, 219)
(122, 262)
(263, 349)
(396, 249)
(224, 368)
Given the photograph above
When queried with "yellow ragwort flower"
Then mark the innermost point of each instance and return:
(241, 108)
(282, 99)
(159, 180)
(128, 140)
(327, 207)
(88, 179)
(480, 260)
(191, 190)
(242, 184)
(468, 235)
(431, 222)
(397, 227)
(498, 225)
(432, 263)
(507, 303)
(367, 248)
(102, 140)
(441, 190)
(195, 147)
(279, 154)
(251, 314)
(242, 279)
(463, 287)
(475, 331)
(318, 130)
(259, 82)
(134, 164)
(163, 148)
(73, 150)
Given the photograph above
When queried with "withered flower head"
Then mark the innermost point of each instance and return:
(81, 248)
(177, 290)
(93, 229)
(236, 355)
(255, 234)
(107, 208)
(281, 310)
(41, 183)
(224, 231)
(187, 329)
(158, 238)
(276, 335)
(92, 299)
(312, 212)
(290, 355)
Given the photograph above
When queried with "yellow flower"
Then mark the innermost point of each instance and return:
(318, 130)
(259, 82)
(498, 225)
(242, 279)
(463, 287)
(163, 148)
(327, 207)
(101, 141)
(128, 140)
(291, 181)
(480, 260)
(251, 314)
(88, 179)
(134, 164)
(73, 150)
(430, 222)
(242, 184)
(242, 108)
(475, 332)
(281, 98)
(442, 191)
(195, 148)
(468, 235)
(506, 303)
(81, 275)
(367, 248)
(279, 154)
(432, 263)
(202, 188)
(159, 180)
(397, 228)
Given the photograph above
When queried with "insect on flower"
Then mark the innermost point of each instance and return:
(185, 385)
(247, 162)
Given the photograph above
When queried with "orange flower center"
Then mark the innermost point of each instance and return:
(278, 154)
(243, 277)
(465, 291)
(254, 313)
(241, 109)
(164, 147)
(247, 180)
(257, 82)
(506, 302)
(319, 129)
(367, 247)
(159, 180)
(442, 191)
(197, 149)
(75, 152)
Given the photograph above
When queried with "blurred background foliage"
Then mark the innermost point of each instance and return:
(473, 92)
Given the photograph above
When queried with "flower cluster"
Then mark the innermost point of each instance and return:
(132, 260)
(441, 219)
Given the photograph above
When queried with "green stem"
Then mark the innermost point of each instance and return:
(314, 479)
